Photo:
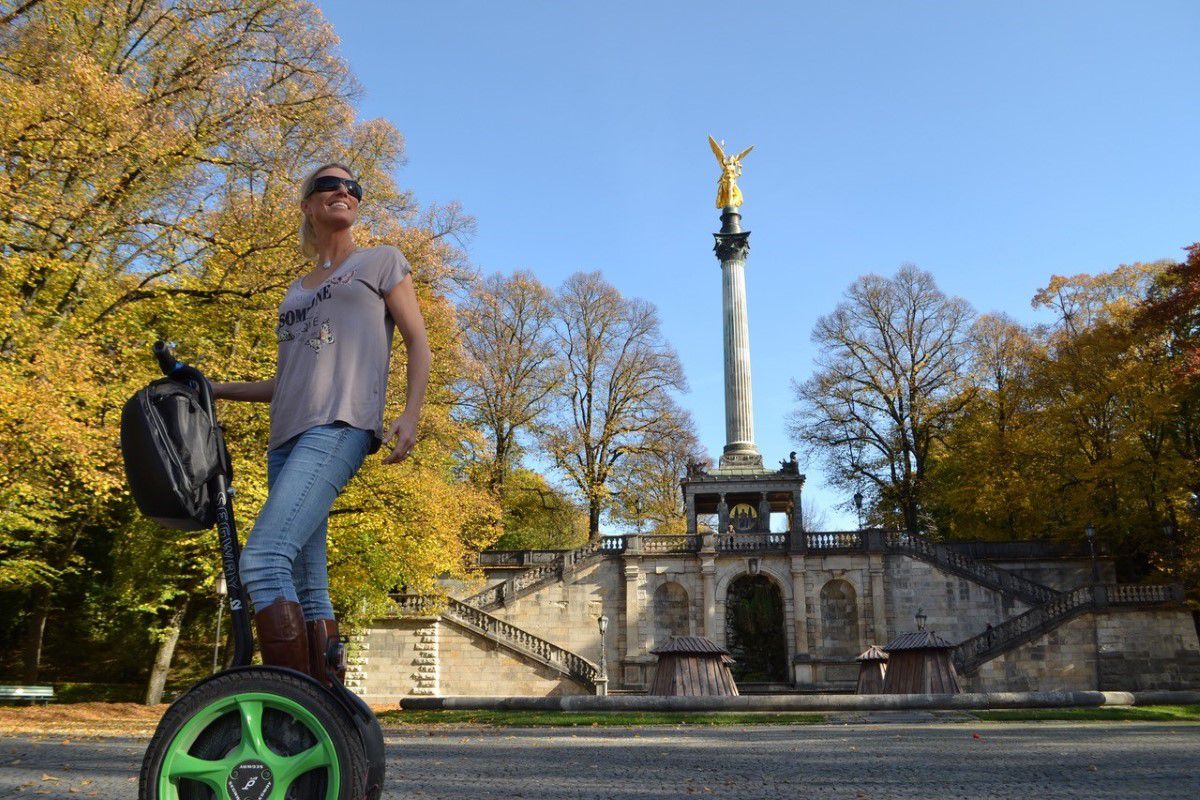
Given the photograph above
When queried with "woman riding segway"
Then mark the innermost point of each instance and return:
(255, 732)
(334, 333)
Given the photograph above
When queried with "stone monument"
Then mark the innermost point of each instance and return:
(740, 493)
(732, 248)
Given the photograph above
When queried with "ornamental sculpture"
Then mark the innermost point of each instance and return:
(728, 193)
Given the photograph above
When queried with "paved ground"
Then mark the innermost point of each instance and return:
(930, 761)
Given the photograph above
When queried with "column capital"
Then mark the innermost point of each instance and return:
(732, 246)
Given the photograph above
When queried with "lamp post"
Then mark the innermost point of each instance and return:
(1090, 532)
(602, 622)
(858, 498)
(637, 507)
(222, 593)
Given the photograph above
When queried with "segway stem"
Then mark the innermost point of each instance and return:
(222, 492)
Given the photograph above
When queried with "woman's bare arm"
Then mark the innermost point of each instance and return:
(402, 305)
(251, 391)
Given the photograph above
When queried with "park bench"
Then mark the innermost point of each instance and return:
(30, 693)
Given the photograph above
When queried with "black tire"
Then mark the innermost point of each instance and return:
(283, 697)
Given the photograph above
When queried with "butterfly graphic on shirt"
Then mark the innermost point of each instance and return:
(324, 337)
(342, 280)
(282, 334)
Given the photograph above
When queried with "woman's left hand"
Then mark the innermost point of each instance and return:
(404, 432)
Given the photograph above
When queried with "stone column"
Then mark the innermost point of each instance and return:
(802, 671)
(732, 247)
(764, 513)
(708, 583)
(797, 512)
(878, 599)
(691, 513)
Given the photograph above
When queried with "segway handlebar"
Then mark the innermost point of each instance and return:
(175, 369)
(166, 358)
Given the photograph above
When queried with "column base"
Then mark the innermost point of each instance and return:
(742, 458)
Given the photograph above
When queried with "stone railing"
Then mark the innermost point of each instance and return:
(1011, 633)
(1001, 580)
(612, 544)
(749, 542)
(835, 540)
(1128, 594)
(673, 543)
(521, 640)
(418, 605)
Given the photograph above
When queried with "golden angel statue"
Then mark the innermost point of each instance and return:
(728, 193)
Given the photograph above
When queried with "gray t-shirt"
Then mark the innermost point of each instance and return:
(335, 342)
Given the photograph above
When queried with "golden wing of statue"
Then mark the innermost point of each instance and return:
(738, 158)
(717, 151)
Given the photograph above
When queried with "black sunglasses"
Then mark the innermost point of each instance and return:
(331, 183)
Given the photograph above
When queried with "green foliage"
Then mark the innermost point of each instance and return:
(538, 516)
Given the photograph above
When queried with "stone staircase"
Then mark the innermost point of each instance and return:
(970, 654)
(479, 622)
(530, 580)
(1000, 580)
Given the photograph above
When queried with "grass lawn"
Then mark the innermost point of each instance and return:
(536, 719)
(1116, 714)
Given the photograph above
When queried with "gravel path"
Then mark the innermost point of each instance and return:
(930, 761)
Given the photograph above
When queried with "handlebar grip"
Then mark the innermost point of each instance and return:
(166, 357)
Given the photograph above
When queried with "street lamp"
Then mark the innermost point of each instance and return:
(921, 618)
(858, 498)
(637, 507)
(603, 623)
(222, 593)
(1090, 532)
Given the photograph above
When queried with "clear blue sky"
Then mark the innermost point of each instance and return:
(992, 143)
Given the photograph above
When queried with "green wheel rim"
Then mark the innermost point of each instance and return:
(177, 764)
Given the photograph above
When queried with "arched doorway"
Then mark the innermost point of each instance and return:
(754, 630)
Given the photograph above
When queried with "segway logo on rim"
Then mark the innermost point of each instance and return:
(250, 780)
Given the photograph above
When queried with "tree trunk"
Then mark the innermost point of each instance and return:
(593, 520)
(35, 632)
(166, 652)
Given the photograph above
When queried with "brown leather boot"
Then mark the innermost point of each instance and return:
(320, 633)
(282, 638)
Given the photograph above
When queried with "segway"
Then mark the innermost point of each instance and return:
(249, 732)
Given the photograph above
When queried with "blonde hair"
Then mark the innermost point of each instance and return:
(308, 236)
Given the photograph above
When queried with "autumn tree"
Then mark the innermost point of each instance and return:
(510, 372)
(537, 515)
(646, 489)
(886, 389)
(990, 479)
(1111, 403)
(619, 374)
(151, 153)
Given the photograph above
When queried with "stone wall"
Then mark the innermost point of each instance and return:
(1062, 660)
(394, 658)
(473, 665)
(1113, 650)
(956, 608)
(1151, 649)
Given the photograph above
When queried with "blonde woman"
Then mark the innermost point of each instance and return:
(334, 334)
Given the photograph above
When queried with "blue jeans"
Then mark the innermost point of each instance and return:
(284, 557)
